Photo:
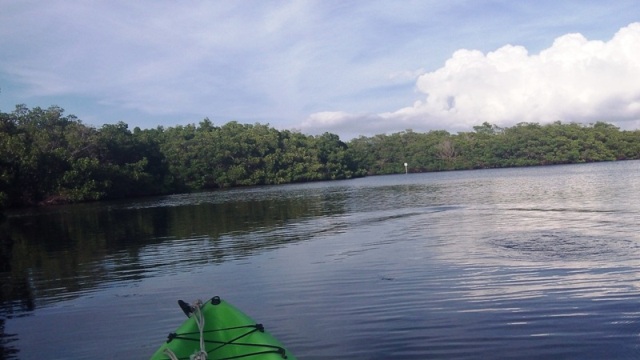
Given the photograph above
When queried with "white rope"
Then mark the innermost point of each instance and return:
(170, 354)
(199, 318)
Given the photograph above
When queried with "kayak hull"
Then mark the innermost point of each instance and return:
(228, 333)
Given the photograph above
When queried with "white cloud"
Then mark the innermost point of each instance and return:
(406, 75)
(575, 79)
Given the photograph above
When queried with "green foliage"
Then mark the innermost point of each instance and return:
(208, 157)
(50, 158)
(47, 157)
(489, 146)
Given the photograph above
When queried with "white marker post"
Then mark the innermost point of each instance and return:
(406, 170)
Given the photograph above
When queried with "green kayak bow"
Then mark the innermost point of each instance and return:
(216, 330)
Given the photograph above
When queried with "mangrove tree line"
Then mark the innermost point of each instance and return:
(489, 146)
(49, 157)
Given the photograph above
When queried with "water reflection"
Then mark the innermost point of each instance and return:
(15, 293)
(478, 264)
(75, 249)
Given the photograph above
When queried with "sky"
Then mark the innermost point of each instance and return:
(352, 68)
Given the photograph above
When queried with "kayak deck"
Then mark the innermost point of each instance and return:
(225, 333)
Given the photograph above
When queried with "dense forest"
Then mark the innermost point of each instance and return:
(489, 146)
(47, 157)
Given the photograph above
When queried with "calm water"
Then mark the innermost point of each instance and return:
(505, 264)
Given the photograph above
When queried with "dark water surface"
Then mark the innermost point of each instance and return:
(531, 263)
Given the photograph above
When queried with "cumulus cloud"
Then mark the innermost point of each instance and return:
(575, 79)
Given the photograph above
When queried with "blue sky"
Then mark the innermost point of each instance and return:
(347, 67)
